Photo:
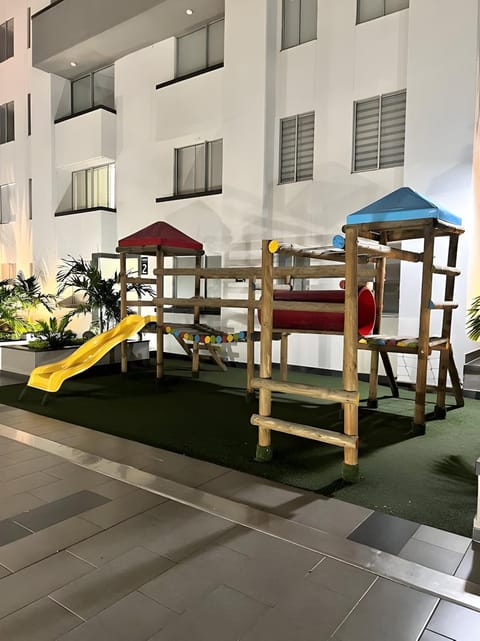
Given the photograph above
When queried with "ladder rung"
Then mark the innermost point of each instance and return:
(447, 304)
(307, 431)
(311, 391)
(445, 271)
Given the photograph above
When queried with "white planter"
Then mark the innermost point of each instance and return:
(18, 359)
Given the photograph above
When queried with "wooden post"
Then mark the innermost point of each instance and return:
(350, 342)
(379, 294)
(284, 357)
(196, 319)
(123, 308)
(264, 447)
(250, 343)
(440, 411)
(418, 425)
(160, 284)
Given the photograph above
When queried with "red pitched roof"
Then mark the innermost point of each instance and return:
(160, 234)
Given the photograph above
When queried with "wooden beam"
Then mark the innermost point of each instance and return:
(309, 391)
(305, 431)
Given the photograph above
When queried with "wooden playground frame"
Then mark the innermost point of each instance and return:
(363, 260)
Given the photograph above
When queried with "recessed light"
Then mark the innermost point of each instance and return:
(189, 12)
(73, 64)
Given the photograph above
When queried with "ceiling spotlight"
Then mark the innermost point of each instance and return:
(73, 63)
(189, 12)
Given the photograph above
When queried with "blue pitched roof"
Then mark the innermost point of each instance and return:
(401, 204)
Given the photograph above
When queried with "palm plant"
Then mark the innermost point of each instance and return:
(18, 297)
(473, 320)
(53, 333)
(100, 295)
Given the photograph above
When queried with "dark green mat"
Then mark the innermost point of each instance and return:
(428, 479)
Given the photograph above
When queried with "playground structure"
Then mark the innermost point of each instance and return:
(360, 259)
(354, 312)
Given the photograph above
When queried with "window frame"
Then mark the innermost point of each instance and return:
(5, 54)
(285, 47)
(9, 132)
(91, 77)
(12, 217)
(380, 99)
(280, 147)
(385, 12)
(208, 189)
(89, 188)
(208, 66)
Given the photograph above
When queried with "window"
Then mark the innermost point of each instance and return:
(94, 90)
(6, 40)
(29, 114)
(371, 9)
(94, 187)
(379, 132)
(7, 193)
(7, 122)
(296, 148)
(200, 50)
(198, 168)
(299, 22)
(29, 27)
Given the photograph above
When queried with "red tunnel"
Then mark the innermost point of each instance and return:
(324, 321)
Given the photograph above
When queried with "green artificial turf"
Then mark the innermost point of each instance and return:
(429, 479)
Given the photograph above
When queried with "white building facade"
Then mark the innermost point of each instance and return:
(234, 121)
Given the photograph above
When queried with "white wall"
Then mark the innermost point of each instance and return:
(441, 100)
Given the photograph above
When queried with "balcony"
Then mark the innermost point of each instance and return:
(91, 35)
(87, 138)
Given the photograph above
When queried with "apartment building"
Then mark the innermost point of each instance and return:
(235, 121)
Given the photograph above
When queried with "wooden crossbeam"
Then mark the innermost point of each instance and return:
(306, 431)
(310, 391)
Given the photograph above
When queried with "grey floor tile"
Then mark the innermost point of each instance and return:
(309, 612)
(456, 622)
(133, 618)
(10, 531)
(60, 510)
(180, 587)
(428, 635)
(384, 532)
(117, 540)
(431, 556)
(469, 568)
(342, 578)
(101, 588)
(122, 508)
(25, 484)
(59, 488)
(4, 572)
(114, 489)
(12, 505)
(223, 614)
(28, 467)
(330, 515)
(27, 454)
(263, 579)
(388, 611)
(442, 539)
(181, 530)
(40, 545)
(266, 548)
(42, 620)
(38, 580)
(75, 473)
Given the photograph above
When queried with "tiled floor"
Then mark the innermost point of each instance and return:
(85, 557)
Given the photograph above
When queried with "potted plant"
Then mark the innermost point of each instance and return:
(101, 296)
(19, 296)
(53, 334)
(473, 320)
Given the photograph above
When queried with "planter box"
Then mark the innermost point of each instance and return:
(18, 359)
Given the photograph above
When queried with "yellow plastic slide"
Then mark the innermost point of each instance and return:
(50, 377)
